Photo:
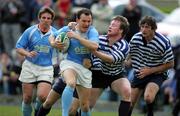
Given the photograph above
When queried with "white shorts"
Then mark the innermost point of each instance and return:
(84, 75)
(33, 73)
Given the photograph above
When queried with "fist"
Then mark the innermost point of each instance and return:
(87, 63)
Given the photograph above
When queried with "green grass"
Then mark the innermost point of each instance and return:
(165, 6)
(167, 10)
(16, 111)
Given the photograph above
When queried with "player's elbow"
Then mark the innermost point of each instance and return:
(18, 50)
(108, 61)
(171, 64)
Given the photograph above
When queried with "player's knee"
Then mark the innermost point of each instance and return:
(71, 84)
(27, 99)
(42, 97)
(91, 106)
(148, 98)
(72, 112)
(85, 107)
(126, 95)
(133, 103)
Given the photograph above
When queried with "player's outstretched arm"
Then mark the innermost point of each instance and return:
(87, 43)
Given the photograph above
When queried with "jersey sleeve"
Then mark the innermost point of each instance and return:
(63, 29)
(23, 40)
(121, 53)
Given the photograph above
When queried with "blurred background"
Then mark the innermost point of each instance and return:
(17, 15)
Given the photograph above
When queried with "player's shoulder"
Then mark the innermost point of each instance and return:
(163, 40)
(103, 37)
(33, 27)
(160, 36)
(63, 29)
(92, 28)
(30, 29)
(53, 29)
(136, 37)
(92, 31)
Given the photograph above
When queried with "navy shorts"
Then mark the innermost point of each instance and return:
(100, 80)
(177, 76)
(141, 83)
(59, 86)
(75, 94)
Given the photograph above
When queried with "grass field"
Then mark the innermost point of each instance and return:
(16, 111)
(164, 5)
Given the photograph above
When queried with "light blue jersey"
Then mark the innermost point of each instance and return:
(76, 51)
(33, 40)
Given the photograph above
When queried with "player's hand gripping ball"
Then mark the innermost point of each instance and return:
(62, 37)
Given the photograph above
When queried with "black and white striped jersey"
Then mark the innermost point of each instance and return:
(118, 51)
(154, 53)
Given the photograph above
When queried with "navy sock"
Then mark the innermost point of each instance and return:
(124, 108)
(130, 111)
(150, 109)
(42, 111)
(176, 108)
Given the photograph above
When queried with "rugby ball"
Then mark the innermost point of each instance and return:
(62, 37)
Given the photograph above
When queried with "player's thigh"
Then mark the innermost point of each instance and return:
(43, 89)
(151, 91)
(69, 76)
(27, 89)
(84, 94)
(135, 95)
(94, 95)
(122, 87)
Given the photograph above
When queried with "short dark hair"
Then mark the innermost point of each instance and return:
(124, 24)
(46, 10)
(83, 11)
(150, 21)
